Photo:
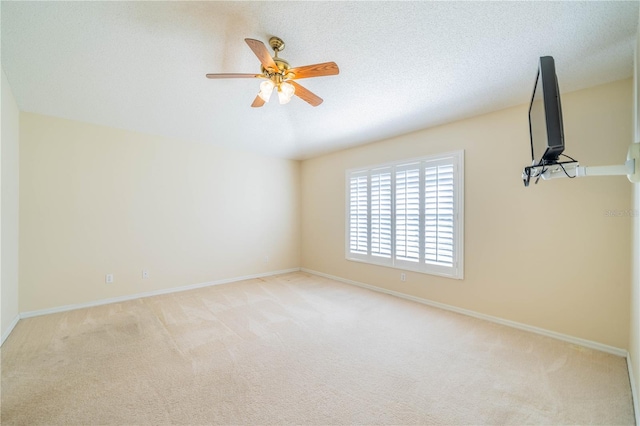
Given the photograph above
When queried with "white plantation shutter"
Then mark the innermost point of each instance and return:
(439, 214)
(381, 213)
(358, 214)
(408, 215)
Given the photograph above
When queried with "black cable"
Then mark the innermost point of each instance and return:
(565, 170)
(565, 155)
(540, 175)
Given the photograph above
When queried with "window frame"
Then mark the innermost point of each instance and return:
(456, 271)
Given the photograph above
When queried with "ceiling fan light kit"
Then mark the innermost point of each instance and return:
(277, 73)
(285, 92)
(266, 88)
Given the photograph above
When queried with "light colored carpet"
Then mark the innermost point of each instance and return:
(298, 349)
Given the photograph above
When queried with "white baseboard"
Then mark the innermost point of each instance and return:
(119, 299)
(564, 337)
(10, 329)
(634, 389)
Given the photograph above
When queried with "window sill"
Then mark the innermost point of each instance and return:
(459, 276)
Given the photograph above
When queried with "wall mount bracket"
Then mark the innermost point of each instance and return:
(571, 169)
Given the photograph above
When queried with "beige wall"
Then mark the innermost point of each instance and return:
(634, 335)
(634, 332)
(9, 209)
(547, 255)
(97, 200)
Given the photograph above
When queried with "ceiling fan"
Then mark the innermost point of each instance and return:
(278, 75)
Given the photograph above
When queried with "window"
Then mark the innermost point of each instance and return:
(408, 214)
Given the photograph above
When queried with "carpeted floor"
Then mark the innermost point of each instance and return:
(298, 349)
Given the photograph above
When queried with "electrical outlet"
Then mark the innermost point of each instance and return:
(403, 277)
(108, 279)
(145, 274)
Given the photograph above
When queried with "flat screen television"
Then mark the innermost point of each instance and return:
(545, 116)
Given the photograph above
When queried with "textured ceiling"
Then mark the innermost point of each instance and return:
(403, 65)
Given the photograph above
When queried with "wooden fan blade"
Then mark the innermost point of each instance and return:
(232, 75)
(316, 70)
(257, 102)
(262, 53)
(304, 94)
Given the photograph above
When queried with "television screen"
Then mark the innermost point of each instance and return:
(545, 116)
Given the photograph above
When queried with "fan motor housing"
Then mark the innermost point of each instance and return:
(282, 64)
